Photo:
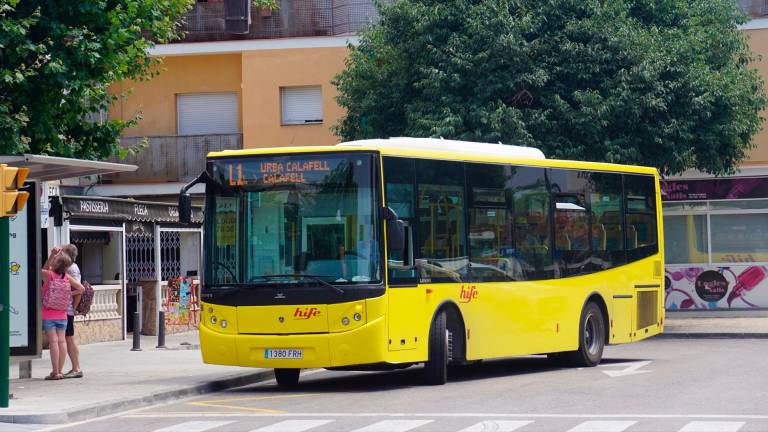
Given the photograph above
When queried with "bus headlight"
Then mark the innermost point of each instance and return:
(223, 324)
(357, 317)
(345, 321)
(213, 319)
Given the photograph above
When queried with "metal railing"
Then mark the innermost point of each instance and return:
(294, 18)
(754, 8)
(172, 158)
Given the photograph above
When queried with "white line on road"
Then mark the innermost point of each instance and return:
(394, 426)
(497, 426)
(713, 426)
(194, 426)
(293, 426)
(465, 415)
(603, 426)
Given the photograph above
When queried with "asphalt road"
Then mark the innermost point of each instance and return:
(656, 385)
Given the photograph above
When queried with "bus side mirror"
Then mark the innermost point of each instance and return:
(185, 208)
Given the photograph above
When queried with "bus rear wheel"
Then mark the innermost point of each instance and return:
(436, 368)
(287, 377)
(591, 339)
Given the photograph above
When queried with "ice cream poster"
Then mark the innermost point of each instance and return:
(713, 287)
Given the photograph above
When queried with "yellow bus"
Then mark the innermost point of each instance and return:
(383, 254)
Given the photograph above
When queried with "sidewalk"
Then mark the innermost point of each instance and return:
(118, 379)
(746, 324)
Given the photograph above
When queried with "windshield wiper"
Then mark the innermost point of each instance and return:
(315, 278)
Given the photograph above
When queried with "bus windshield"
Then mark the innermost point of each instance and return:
(294, 219)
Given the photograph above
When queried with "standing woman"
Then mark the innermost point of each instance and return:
(56, 295)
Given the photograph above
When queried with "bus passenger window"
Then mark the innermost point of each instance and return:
(440, 246)
(571, 220)
(640, 203)
(491, 244)
(528, 200)
(607, 224)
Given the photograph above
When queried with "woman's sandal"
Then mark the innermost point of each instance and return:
(52, 377)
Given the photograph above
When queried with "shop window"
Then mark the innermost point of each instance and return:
(301, 105)
(440, 248)
(606, 220)
(640, 206)
(685, 239)
(739, 237)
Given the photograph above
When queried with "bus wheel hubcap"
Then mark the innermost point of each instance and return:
(591, 335)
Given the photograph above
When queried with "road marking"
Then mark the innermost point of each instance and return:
(467, 415)
(497, 426)
(630, 368)
(603, 426)
(394, 426)
(218, 403)
(713, 426)
(194, 426)
(293, 426)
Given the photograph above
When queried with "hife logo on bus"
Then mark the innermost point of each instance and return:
(467, 294)
(306, 313)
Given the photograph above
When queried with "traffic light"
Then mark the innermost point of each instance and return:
(11, 200)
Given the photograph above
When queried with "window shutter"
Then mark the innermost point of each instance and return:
(301, 105)
(207, 113)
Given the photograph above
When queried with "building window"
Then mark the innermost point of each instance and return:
(207, 113)
(301, 105)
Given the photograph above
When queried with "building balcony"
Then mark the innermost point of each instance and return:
(171, 158)
(294, 18)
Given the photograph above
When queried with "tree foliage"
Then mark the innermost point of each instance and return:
(665, 83)
(57, 61)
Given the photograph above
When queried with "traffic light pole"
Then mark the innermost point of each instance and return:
(5, 312)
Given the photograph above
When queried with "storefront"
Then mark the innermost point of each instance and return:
(128, 251)
(716, 243)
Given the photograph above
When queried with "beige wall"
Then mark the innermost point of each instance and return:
(264, 72)
(759, 44)
(257, 80)
(156, 98)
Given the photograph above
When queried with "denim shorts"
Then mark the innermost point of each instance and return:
(54, 324)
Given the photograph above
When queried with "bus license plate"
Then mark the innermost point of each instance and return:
(284, 353)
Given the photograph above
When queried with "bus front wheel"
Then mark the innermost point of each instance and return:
(436, 368)
(287, 377)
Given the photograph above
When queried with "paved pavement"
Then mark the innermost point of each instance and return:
(117, 379)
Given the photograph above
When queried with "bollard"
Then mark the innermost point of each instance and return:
(136, 332)
(161, 330)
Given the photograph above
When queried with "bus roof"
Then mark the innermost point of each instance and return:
(432, 148)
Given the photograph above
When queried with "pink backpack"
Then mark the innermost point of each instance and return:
(58, 294)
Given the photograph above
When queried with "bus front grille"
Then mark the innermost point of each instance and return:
(647, 308)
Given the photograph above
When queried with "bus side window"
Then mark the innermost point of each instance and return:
(605, 194)
(528, 200)
(571, 220)
(440, 245)
(399, 185)
(640, 206)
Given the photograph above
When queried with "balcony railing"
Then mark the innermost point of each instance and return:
(172, 158)
(754, 8)
(294, 18)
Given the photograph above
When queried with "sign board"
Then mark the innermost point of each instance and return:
(24, 266)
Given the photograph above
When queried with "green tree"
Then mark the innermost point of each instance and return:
(664, 83)
(58, 60)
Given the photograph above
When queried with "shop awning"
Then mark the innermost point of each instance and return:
(89, 237)
(47, 168)
(85, 207)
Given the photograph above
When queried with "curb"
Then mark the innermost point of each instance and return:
(111, 407)
(712, 335)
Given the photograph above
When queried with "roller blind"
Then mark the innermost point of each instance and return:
(301, 105)
(207, 113)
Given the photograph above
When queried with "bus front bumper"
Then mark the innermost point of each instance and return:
(364, 345)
